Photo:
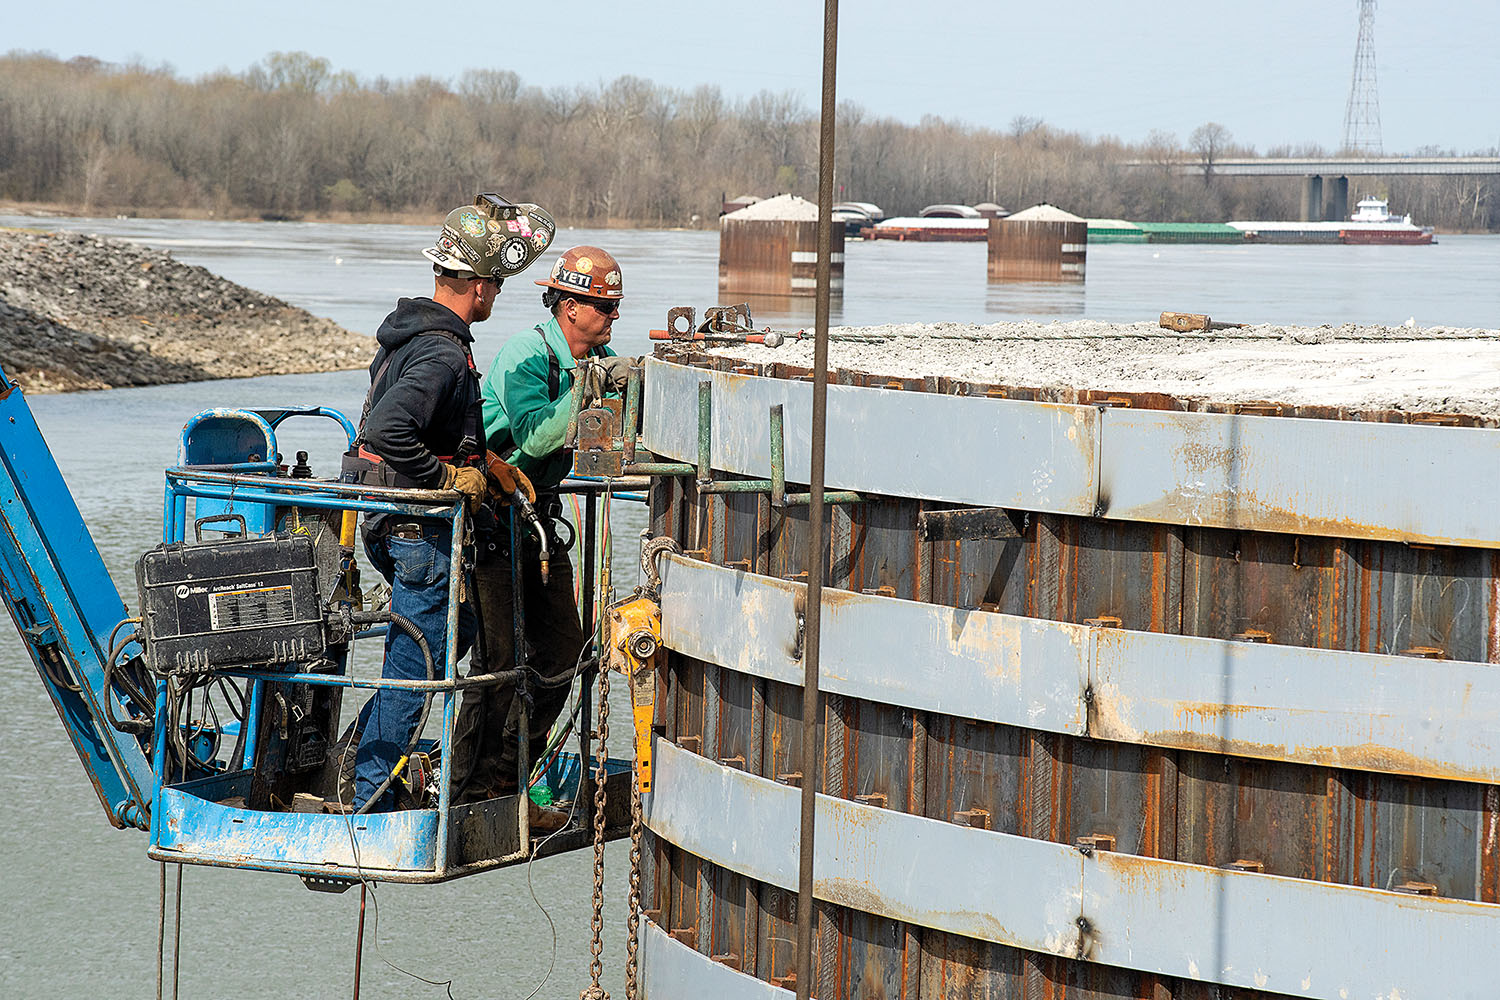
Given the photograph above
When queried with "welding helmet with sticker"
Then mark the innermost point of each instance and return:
(492, 238)
(587, 271)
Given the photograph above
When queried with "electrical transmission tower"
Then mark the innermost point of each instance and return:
(1362, 115)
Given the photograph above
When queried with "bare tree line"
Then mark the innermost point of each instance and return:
(290, 137)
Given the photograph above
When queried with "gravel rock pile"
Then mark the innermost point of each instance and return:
(83, 312)
(1360, 368)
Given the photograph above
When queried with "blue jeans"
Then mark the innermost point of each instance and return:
(417, 569)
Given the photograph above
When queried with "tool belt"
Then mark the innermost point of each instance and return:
(361, 465)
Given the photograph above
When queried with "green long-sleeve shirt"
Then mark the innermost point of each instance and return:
(524, 422)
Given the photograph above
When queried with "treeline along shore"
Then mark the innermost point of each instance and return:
(82, 312)
(292, 138)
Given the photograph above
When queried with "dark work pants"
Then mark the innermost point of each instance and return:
(488, 726)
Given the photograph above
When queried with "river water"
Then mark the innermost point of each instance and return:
(82, 897)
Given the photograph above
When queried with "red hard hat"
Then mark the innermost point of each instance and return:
(588, 271)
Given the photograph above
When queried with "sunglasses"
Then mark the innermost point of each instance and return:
(604, 307)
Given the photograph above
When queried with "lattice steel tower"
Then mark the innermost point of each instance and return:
(1362, 115)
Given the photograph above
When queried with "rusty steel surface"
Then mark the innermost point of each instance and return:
(1214, 925)
(1049, 448)
(1341, 478)
(1423, 484)
(1240, 748)
(773, 257)
(1360, 711)
(1022, 250)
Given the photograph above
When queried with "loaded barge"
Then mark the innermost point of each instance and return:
(1372, 223)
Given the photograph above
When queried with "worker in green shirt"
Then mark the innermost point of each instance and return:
(527, 398)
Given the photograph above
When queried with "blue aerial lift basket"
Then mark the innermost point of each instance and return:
(235, 792)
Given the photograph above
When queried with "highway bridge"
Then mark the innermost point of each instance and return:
(1334, 203)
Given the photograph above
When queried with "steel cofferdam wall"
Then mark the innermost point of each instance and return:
(1185, 701)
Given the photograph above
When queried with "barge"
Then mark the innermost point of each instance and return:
(1372, 223)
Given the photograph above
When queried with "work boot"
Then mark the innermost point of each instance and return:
(544, 820)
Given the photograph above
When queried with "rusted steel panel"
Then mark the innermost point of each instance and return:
(1340, 478)
(1275, 816)
(1049, 448)
(961, 663)
(1411, 835)
(1128, 572)
(774, 257)
(1023, 250)
(1405, 597)
(1292, 588)
(670, 969)
(960, 968)
(1146, 915)
(974, 774)
(1433, 718)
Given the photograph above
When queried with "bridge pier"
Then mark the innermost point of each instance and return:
(1312, 198)
(1336, 203)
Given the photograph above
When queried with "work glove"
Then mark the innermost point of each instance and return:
(509, 479)
(467, 480)
(617, 371)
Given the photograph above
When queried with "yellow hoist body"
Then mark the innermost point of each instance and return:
(634, 639)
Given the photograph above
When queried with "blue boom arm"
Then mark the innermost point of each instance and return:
(65, 606)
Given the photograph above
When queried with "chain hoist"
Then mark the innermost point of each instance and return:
(634, 638)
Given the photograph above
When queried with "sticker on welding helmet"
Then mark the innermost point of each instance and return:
(540, 239)
(472, 223)
(493, 243)
(494, 226)
(515, 252)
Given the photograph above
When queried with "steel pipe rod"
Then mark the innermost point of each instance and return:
(816, 561)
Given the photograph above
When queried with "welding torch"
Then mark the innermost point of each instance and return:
(527, 512)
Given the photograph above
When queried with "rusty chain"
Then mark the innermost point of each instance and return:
(601, 756)
(633, 920)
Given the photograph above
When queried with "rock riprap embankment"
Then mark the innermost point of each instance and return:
(83, 312)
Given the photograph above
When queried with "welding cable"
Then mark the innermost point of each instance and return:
(406, 625)
(555, 745)
(531, 887)
(478, 664)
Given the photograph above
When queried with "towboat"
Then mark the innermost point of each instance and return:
(1372, 222)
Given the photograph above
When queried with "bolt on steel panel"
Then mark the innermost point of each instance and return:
(882, 440)
(1341, 478)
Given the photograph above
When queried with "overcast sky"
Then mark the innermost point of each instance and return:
(1272, 72)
